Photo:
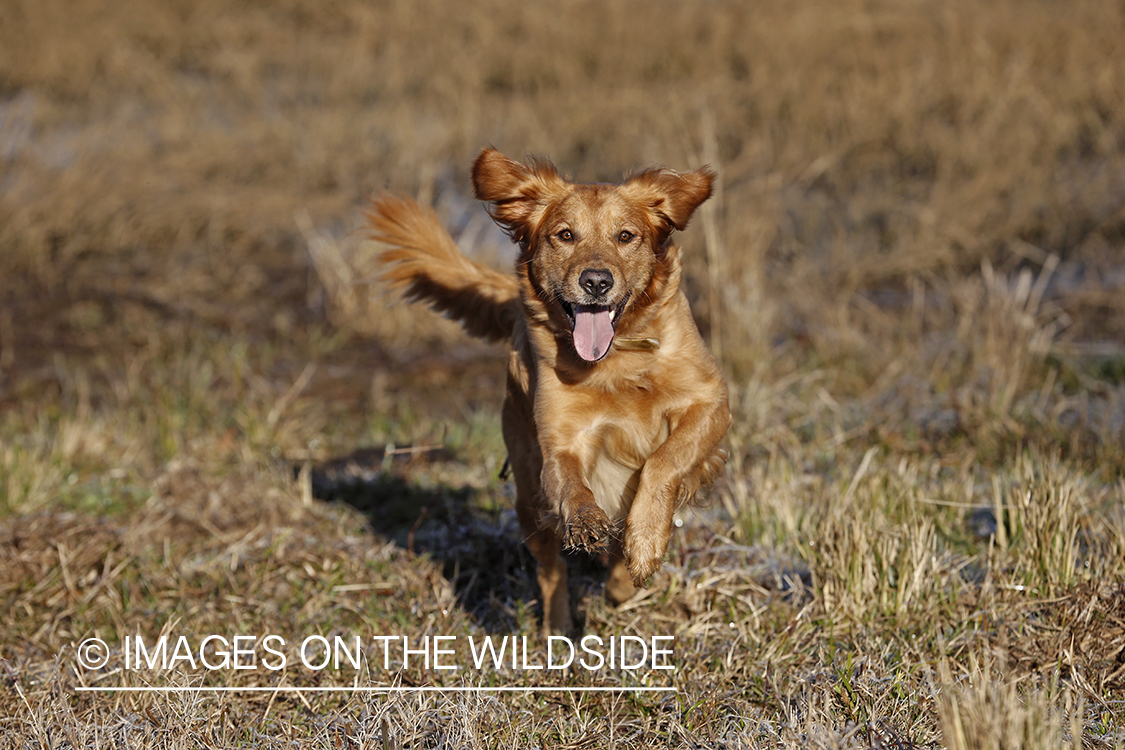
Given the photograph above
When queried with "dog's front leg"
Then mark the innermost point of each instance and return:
(583, 525)
(690, 449)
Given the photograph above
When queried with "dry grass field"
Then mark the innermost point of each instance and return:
(213, 421)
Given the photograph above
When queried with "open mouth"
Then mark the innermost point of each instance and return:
(592, 327)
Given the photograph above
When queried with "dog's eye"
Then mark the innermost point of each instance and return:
(566, 235)
(625, 236)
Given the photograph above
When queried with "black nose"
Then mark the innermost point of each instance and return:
(596, 281)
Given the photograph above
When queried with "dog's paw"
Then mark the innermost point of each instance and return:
(642, 568)
(644, 554)
(587, 529)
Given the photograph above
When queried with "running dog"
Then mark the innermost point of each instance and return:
(614, 408)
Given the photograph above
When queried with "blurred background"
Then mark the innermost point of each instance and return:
(916, 194)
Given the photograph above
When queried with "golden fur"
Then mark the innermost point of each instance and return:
(614, 407)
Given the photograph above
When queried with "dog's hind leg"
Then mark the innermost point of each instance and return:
(619, 586)
(701, 477)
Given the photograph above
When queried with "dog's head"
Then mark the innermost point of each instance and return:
(592, 253)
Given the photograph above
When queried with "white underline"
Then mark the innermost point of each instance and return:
(337, 689)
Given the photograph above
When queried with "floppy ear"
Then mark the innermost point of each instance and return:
(518, 193)
(672, 197)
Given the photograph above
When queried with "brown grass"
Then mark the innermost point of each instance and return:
(911, 271)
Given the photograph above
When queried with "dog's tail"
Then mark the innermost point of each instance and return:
(423, 260)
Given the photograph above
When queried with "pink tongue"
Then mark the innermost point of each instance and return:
(593, 332)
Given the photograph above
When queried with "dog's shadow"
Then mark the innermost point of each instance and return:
(481, 550)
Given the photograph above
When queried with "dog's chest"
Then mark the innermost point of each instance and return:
(614, 452)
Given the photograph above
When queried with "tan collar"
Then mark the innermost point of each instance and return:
(637, 344)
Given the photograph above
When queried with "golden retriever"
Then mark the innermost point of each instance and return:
(614, 408)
